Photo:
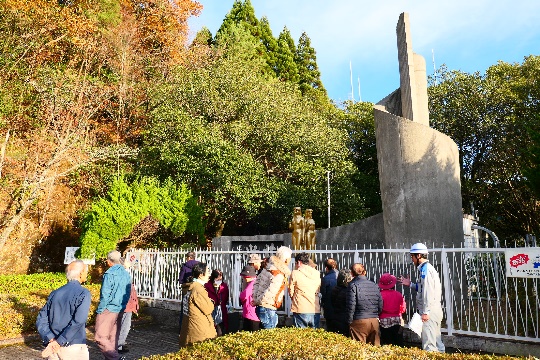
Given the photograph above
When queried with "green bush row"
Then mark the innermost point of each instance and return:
(294, 343)
(22, 296)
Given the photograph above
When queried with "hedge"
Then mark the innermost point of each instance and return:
(294, 343)
(22, 296)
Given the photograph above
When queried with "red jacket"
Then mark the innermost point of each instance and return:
(393, 304)
(133, 302)
(221, 298)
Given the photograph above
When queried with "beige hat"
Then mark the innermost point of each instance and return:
(254, 258)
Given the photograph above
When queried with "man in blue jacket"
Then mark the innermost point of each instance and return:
(114, 296)
(364, 304)
(61, 323)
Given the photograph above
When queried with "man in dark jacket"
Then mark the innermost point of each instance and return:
(187, 267)
(61, 323)
(329, 282)
(184, 277)
(364, 304)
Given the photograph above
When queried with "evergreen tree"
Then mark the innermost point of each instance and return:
(306, 61)
(269, 45)
(286, 68)
(203, 37)
(241, 13)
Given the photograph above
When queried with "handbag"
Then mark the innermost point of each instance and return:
(217, 315)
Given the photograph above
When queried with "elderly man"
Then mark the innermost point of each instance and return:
(364, 304)
(269, 288)
(61, 323)
(304, 288)
(114, 296)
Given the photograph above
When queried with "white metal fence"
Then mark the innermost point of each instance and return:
(478, 298)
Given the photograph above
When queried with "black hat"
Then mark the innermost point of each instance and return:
(248, 271)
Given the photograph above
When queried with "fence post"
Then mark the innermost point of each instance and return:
(156, 277)
(447, 293)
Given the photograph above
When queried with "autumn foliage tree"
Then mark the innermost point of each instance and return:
(73, 92)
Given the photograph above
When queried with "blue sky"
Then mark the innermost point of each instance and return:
(467, 35)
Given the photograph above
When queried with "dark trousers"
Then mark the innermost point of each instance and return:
(392, 335)
(250, 325)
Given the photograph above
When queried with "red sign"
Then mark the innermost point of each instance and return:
(518, 260)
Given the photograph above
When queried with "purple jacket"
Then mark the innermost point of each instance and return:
(248, 310)
(186, 270)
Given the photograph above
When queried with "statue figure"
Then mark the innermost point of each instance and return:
(309, 230)
(297, 227)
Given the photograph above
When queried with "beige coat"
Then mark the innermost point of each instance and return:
(269, 287)
(304, 288)
(197, 323)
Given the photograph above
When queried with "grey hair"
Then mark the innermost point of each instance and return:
(284, 253)
(114, 256)
(74, 270)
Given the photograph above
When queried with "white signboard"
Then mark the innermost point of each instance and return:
(70, 256)
(523, 262)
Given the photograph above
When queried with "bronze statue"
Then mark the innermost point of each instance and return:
(309, 230)
(297, 227)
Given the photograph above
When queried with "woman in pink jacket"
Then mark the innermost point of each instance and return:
(394, 305)
(250, 320)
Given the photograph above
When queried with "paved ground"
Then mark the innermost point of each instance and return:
(143, 340)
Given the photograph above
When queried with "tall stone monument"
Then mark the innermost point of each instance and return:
(418, 166)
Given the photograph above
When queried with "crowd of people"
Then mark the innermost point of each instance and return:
(353, 305)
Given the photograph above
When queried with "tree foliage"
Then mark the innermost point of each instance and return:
(306, 62)
(252, 147)
(488, 116)
(73, 82)
(359, 122)
(112, 218)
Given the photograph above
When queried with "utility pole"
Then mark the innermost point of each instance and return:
(328, 186)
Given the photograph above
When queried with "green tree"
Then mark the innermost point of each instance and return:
(241, 13)
(359, 122)
(251, 147)
(488, 116)
(286, 68)
(306, 62)
(269, 44)
(203, 37)
(112, 218)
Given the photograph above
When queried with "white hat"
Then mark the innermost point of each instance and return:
(419, 248)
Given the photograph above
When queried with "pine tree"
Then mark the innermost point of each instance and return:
(241, 13)
(286, 68)
(306, 61)
(269, 45)
(203, 37)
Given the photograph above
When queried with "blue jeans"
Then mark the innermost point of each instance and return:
(268, 317)
(306, 320)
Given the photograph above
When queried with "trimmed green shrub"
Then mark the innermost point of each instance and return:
(294, 343)
(22, 296)
(112, 218)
